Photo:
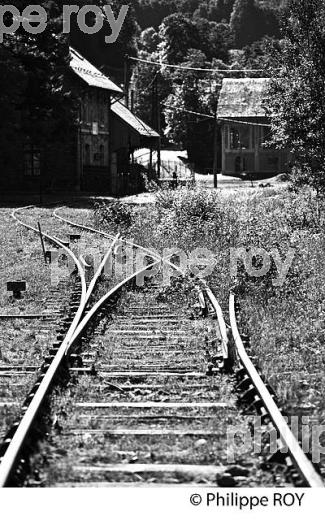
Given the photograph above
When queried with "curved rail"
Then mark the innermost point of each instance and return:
(303, 464)
(149, 252)
(153, 254)
(78, 325)
(103, 300)
(9, 459)
(222, 324)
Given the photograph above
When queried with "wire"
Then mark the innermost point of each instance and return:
(243, 122)
(207, 116)
(184, 67)
(188, 111)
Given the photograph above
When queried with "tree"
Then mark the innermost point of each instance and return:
(149, 40)
(214, 39)
(108, 57)
(12, 82)
(249, 22)
(215, 10)
(144, 77)
(43, 61)
(151, 13)
(178, 34)
(261, 56)
(297, 105)
(194, 94)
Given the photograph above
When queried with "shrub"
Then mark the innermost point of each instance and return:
(113, 216)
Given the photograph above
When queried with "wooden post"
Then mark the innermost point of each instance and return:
(150, 161)
(158, 130)
(79, 161)
(215, 151)
(42, 241)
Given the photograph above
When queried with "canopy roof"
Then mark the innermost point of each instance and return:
(132, 120)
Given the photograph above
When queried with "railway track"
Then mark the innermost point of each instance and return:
(151, 399)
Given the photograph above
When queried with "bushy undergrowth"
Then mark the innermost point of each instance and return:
(112, 215)
(287, 320)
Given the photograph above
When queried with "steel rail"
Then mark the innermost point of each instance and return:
(78, 325)
(153, 254)
(303, 464)
(96, 276)
(149, 252)
(106, 297)
(9, 459)
(221, 321)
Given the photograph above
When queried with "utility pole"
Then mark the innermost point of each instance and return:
(156, 123)
(215, 151)
(159, 138)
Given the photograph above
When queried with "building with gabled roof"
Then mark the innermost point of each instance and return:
(96, 154)
(92, 76)
(129, 133)
(245, 129)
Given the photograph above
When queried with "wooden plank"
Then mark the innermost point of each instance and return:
(146, 370)
(151, 404)
(7, 368)
(151, 318)
(143, 432)
(133, 484)
(181, 469)
(134, 373)
(28, 316)
(154, 353)
(18, 373)
(185, 386)
(139, 334)
(148, 417)
(152, 366)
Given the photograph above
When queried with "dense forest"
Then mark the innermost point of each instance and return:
(222, 35)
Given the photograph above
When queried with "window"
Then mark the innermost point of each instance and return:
(32, 161)
(239, 138)
(265, 136)
(234, 139)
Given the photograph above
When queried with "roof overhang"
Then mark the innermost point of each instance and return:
(92, 76)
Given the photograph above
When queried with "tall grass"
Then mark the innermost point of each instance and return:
(286, 323)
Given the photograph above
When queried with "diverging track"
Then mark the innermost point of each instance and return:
(151, 399)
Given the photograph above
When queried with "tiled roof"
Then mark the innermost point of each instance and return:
(243, 98)
(132, 120)
(90, 74)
